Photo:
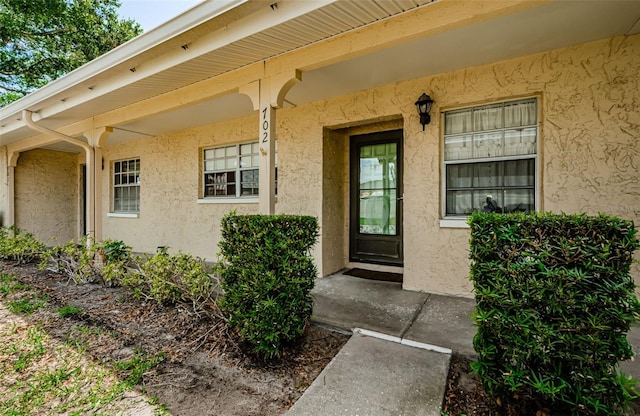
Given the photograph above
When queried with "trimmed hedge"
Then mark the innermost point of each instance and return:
(555, 300)
(267, 276)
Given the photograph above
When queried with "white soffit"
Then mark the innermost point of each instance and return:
(551, 26)
(250, 39)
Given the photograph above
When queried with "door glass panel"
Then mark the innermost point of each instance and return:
(378, 189)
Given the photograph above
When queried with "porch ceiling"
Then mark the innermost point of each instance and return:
(548, 26)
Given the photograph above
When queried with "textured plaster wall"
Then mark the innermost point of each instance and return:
(46, 195)
(589, 159)
(335, 198)
(590, 147)
(170, 187)
(589, 130)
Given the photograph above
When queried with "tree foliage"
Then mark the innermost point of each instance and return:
(41, 40)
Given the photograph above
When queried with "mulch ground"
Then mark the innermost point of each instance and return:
(204, 371)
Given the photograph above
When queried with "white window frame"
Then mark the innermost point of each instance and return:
(460, 221)
(120, 179)
(208, 157)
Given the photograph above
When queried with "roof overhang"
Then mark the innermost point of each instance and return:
(204, 55)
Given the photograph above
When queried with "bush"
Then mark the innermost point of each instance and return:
(74, 260)
(267, 276)
(180, 278)
(555, 300)
(115, 262)
(18, 245)
(107, 261)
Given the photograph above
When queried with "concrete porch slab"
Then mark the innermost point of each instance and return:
(348, 302)
(446, 321)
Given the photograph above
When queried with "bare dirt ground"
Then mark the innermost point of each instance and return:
(204, 372)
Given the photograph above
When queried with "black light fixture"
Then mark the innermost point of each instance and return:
(424, 107)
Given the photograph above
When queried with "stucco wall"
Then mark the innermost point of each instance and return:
(589, 130)
(170, 187)
(46, 195)
(334, 201)
(590, 158)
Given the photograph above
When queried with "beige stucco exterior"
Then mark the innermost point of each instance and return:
(588, 153)
(589, 157)
(46, 195)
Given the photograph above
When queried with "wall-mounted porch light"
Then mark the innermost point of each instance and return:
(424, 107)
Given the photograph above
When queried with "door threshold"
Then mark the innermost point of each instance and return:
(375, 267)
(374, 275)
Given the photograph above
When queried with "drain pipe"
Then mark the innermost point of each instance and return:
(27, 117)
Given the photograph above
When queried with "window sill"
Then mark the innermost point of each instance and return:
(123, 214)
(454, 223)
(228, 200)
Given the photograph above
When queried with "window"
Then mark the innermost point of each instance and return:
(490, 155)
(232, 171)
(126, 185)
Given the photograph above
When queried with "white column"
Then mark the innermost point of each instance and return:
(11, 201)
(267, 140)
(267, 94)
(97, 138)
(12, 162)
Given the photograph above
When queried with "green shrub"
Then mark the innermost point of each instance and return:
(116, 261)
(267, 276)
(18, 245)
(168, 279)
(74, 260)
(106, 261)
(180, 278)
(555, 300)
(114, 250)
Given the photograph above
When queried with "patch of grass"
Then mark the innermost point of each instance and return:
(69, 310)
(32, 348)
(42, 376)
(160, 410)
(79, 345)
(26, 305)
(90, 330)
(135, 367)
(9, 284)
(6, 283)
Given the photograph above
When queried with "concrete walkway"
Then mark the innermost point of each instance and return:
(397, 361)
(398, 364)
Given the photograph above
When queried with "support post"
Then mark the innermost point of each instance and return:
(97, 138)
(267, 94)
(267, 202)
(12, 162)
(11, 199)
(89, 158)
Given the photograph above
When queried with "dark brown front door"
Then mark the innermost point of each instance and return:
(376, 198)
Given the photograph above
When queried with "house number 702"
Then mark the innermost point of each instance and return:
(265, 126)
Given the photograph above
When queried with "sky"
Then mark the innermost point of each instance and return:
(151, 13)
